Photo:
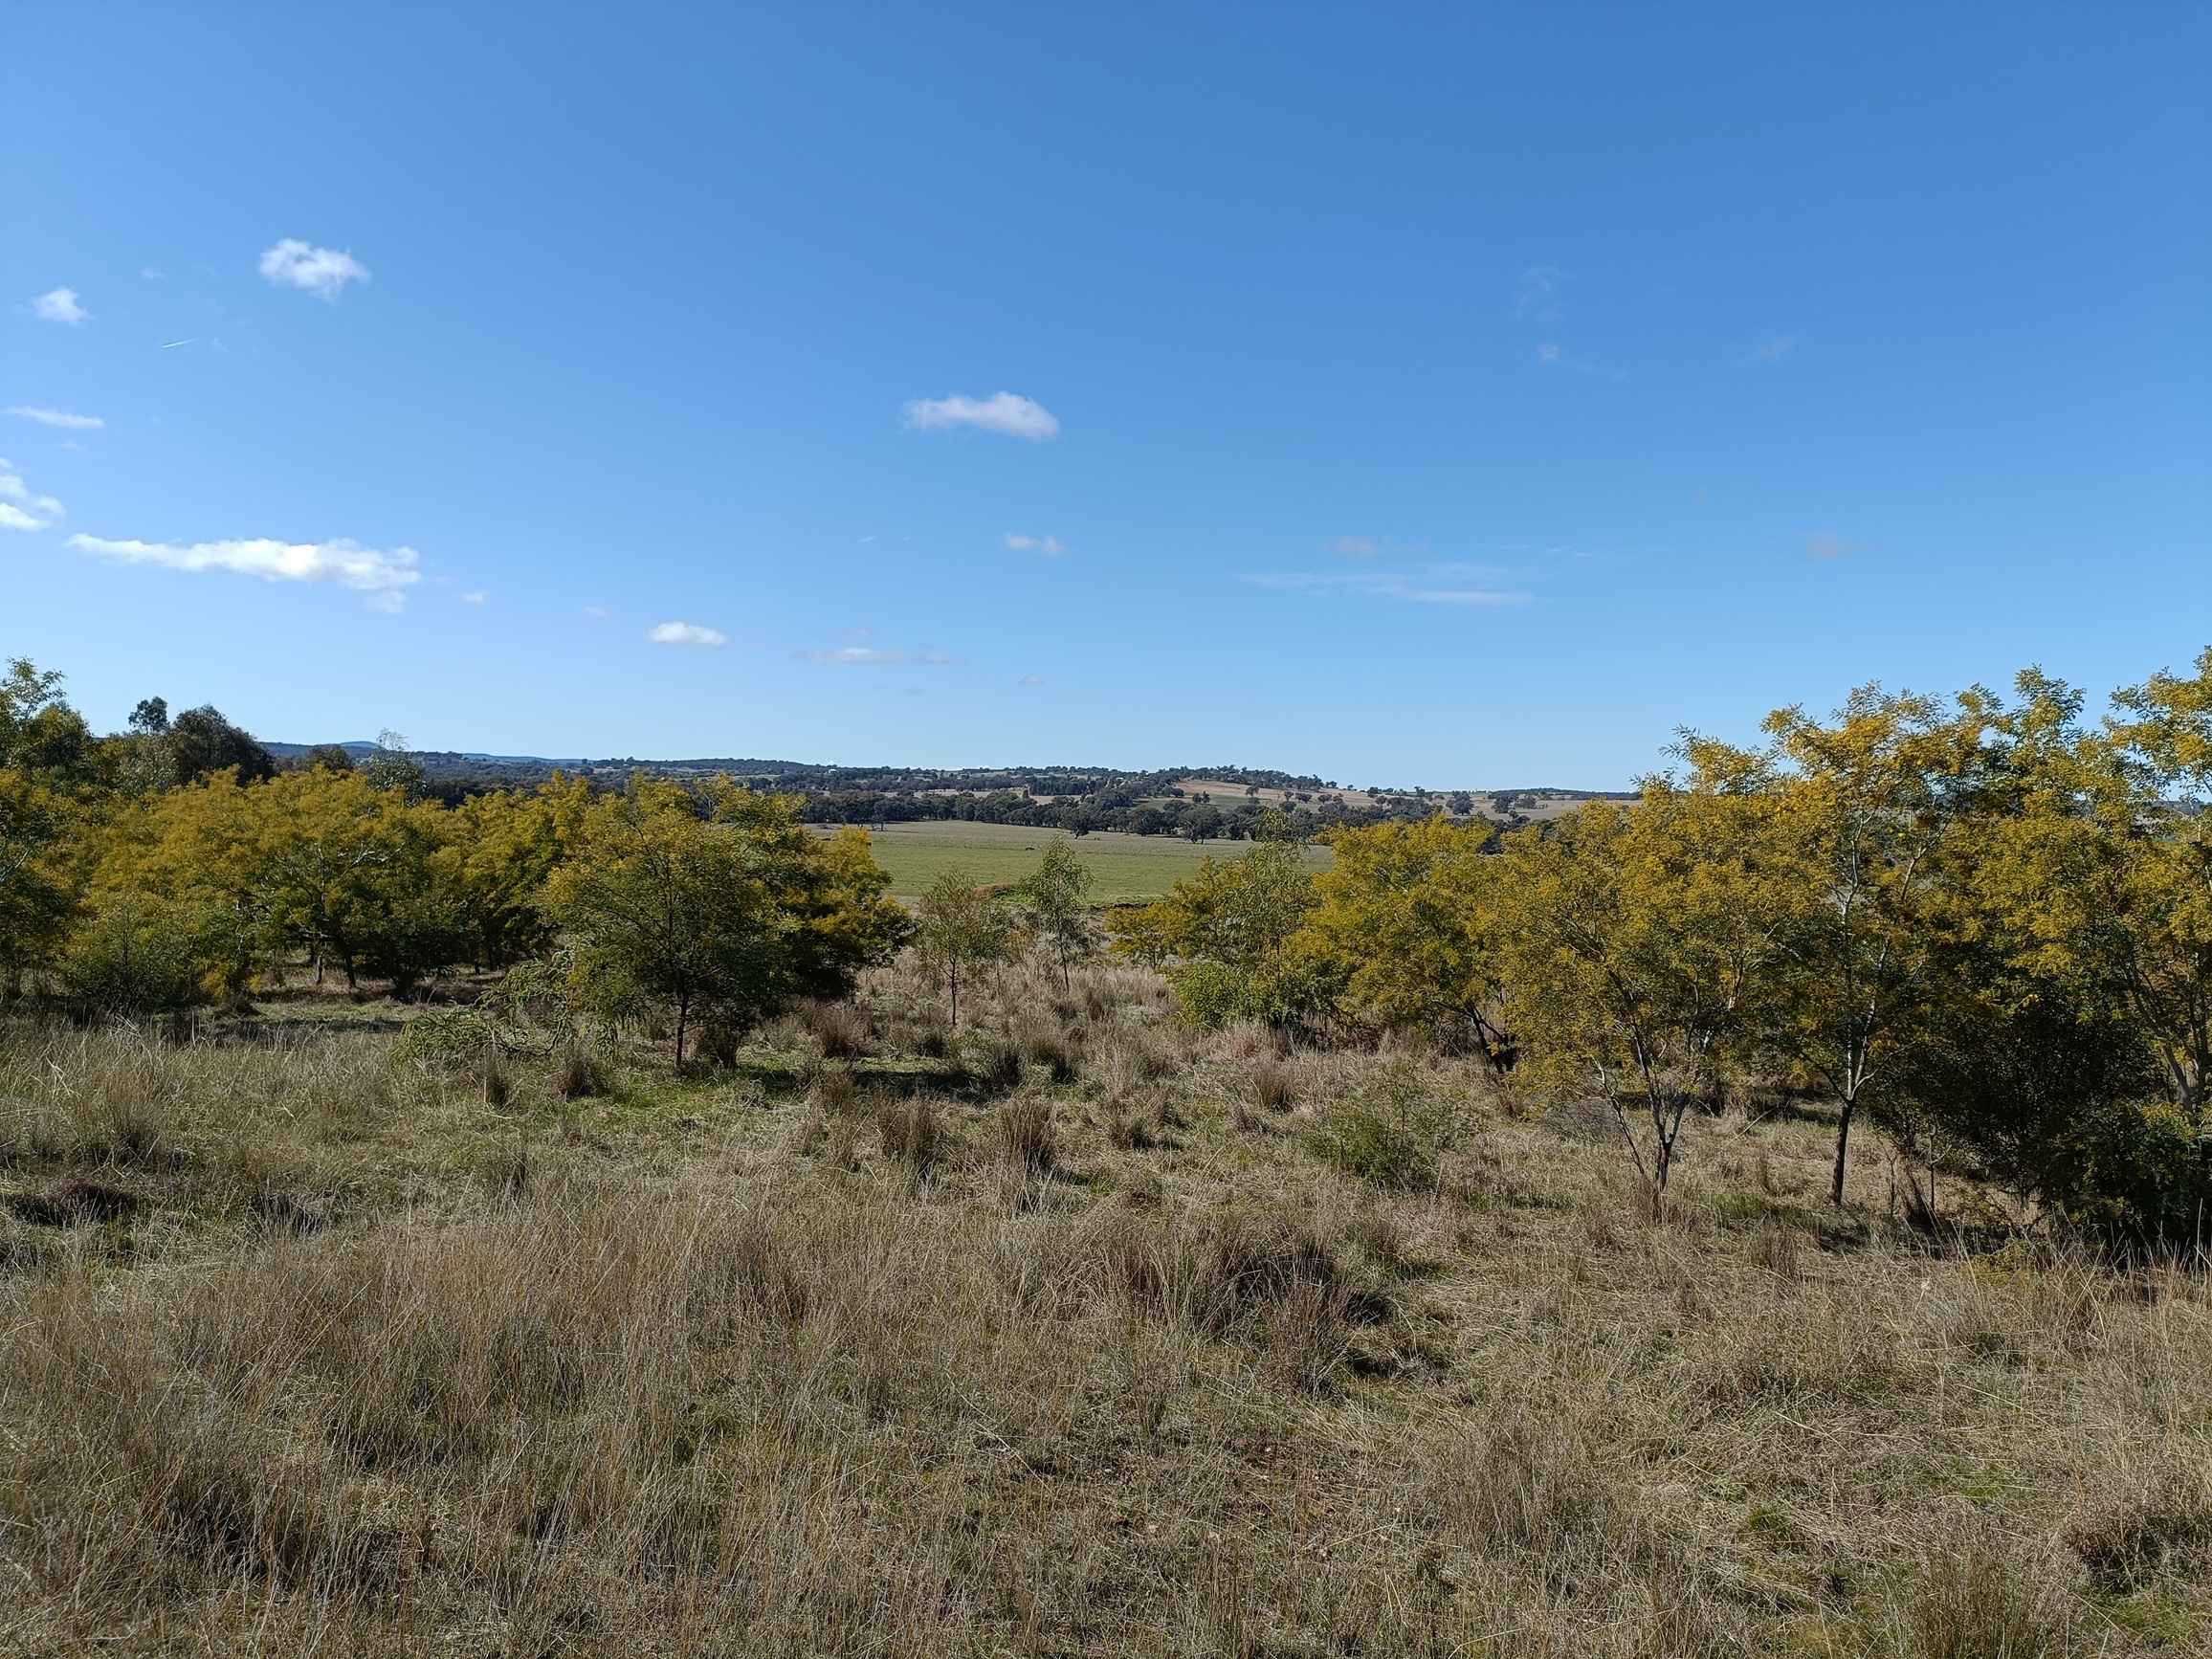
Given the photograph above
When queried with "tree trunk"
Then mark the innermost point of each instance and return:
(1843, 1145)
(956, 994)
(682, 1008)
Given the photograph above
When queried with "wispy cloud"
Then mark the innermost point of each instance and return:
(863, 654)
(1030, 679)
(383, 575)
(1003, 413)
(321, 270)
(1432, 583)
(1539, 296)
(476, 596)
(19, 508)
(1048, 545)
(1354, 547)
(1551, 355)
(854, 653)
(1770, 348)
(1834, 545)
(686, 634)
(595, 610)
(60, 305)
(57, 417)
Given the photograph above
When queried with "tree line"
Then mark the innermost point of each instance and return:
(1986, 923)
(175, 864)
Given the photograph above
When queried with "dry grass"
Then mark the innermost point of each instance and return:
(1025, 1346)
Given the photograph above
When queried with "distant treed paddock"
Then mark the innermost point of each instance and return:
(1196, 803)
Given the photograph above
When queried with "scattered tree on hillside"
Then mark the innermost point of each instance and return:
(1634, 940)
(1406, 910)
(958, 926)
(722, 918)
(1056, 896)
(1224, 936)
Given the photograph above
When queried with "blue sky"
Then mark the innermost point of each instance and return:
(1455, 396)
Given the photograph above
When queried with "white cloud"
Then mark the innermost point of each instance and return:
(595, 610)
(1539, 296)
(383, 575)
(321, 270)
(476, 596)
(56, 417)
(1003, 413)
(1048, 545)
(686, 634)
(1030, 679)
(19, 508)
(1354, 547)
(1771, 349)
(61, 306)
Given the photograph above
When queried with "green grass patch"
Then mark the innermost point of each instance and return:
(1123, 867)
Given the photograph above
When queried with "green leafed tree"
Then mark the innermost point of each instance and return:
(958, 926)
(1225, 936)
(714, 910)
(1056, 894)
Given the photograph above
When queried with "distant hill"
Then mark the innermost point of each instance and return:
(1204, 803)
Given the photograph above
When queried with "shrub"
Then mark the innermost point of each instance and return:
(1391, 1133)
(132, 956)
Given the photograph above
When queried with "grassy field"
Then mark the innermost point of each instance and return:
(1122, 867)
(1073, 1332)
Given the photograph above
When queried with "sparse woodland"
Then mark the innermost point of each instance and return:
(1756, 1217)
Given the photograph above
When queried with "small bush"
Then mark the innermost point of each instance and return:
(1392, 1132)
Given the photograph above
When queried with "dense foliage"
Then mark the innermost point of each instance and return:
(175, 863)
(1989, 923)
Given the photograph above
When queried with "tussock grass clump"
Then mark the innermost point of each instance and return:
(1028, 1138)
(579, 1075)
(1975, 1593)
(842, 1030)
(912, 1131)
